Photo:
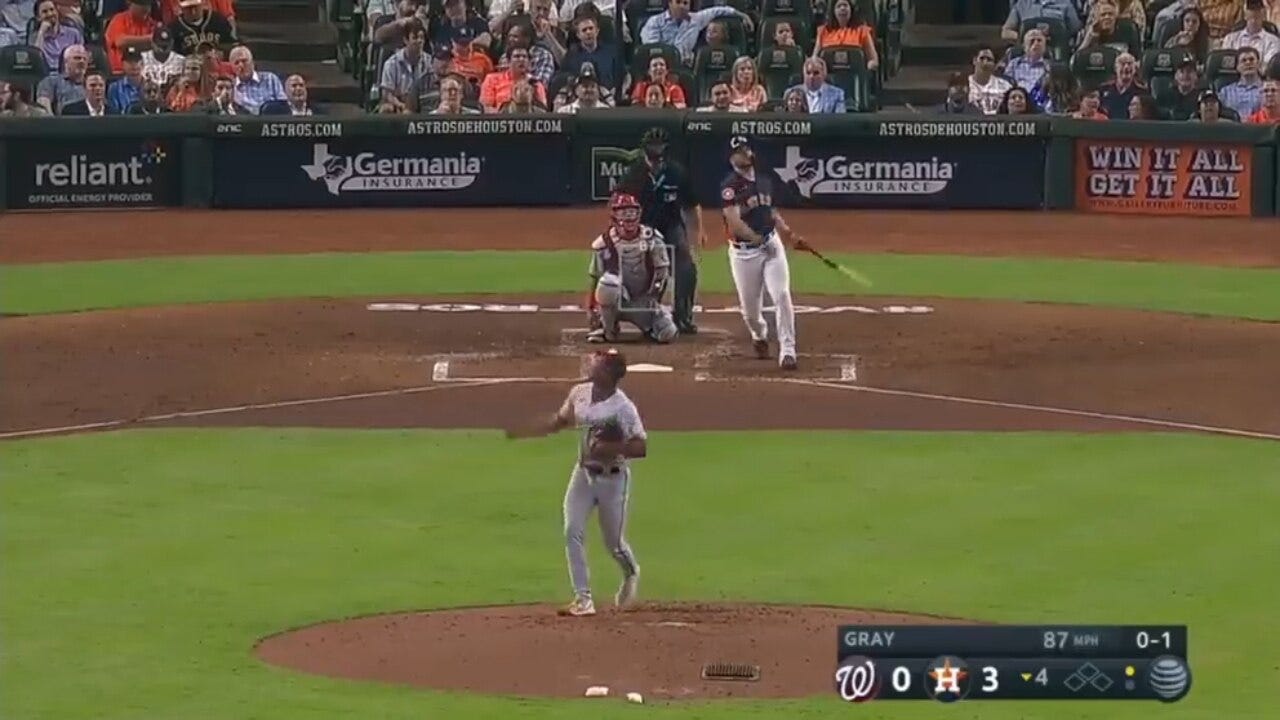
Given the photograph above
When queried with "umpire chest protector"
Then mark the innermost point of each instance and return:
(663, 193)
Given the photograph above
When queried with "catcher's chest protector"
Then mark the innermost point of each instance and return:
(632, 260)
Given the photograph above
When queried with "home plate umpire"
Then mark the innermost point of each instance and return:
(668, 205)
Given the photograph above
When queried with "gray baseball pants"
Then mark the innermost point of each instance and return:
(609, 492)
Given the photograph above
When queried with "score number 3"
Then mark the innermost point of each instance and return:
(990, 679)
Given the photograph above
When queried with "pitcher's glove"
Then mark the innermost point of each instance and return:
(609, 431)
(606, 441)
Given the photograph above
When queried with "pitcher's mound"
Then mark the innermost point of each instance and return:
(658, 650)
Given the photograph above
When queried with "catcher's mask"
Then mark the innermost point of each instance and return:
(612, 360)
(624, 209)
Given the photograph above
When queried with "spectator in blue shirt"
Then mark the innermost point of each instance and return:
(679, 27)
(1021, 11)
(252, 86)
(603, 57)
(127, 91)
(1244, 96)
(1028, 69)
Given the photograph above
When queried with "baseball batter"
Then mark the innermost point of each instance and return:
(613, 434)
(757, 256)
(628, 270)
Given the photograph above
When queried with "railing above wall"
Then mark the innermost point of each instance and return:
(882, 160)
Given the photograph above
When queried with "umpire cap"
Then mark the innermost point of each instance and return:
(655, 136)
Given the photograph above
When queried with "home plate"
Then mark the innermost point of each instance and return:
(649, 368)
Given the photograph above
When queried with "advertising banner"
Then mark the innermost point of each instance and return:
(1158, 178)
(880, 173)
(93, 173)
(392, 172)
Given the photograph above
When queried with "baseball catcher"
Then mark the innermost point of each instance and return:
(629, 271)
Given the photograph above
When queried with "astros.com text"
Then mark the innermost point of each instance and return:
(957, 129)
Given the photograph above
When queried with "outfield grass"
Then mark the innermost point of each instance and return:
(59, 287)
(140, 566)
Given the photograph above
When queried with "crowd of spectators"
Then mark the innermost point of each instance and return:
(1200, 60)
(540, 56)
(140, 57)
(1185, 60)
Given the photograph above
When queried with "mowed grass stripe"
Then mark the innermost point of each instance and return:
(61, 287)
(141, 566)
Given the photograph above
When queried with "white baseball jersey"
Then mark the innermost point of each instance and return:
(638, 261)
(588, 415)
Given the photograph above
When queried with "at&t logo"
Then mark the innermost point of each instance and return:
(857, 680)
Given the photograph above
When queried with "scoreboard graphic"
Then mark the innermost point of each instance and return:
(950, 663)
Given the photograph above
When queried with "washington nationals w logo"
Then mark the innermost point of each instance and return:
(856, 680)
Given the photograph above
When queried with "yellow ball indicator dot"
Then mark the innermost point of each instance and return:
(1129, 671)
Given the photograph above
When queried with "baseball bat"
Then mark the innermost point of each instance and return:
(850, 273)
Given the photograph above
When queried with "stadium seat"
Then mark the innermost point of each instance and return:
(639, 12)
(1128, 33)
(688, 84)
(1059, 41)
(779, 68)
(801, 27)
(97, 59)
(847, 70)
(1220, 68)
(1273, 68)
(23, 65)
(746, 6)
(709, 64)
(1164, 31)
(1158, 68)
(645, 53)
(1163, 63)
(1094, 65)
(789, 8)
(559, 82)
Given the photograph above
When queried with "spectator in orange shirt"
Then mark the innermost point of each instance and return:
(471, 64)
(497, 88)
(169, 10)
(1269, 113)
(846, 27)
(659, 76)
(1090, 107)
(192, 87)
(131, 27)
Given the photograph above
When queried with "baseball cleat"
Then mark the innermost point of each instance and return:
(761, 347)
(596, 336)
(580, 607)
(688, 328)
(788, 362)
(627, 591)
